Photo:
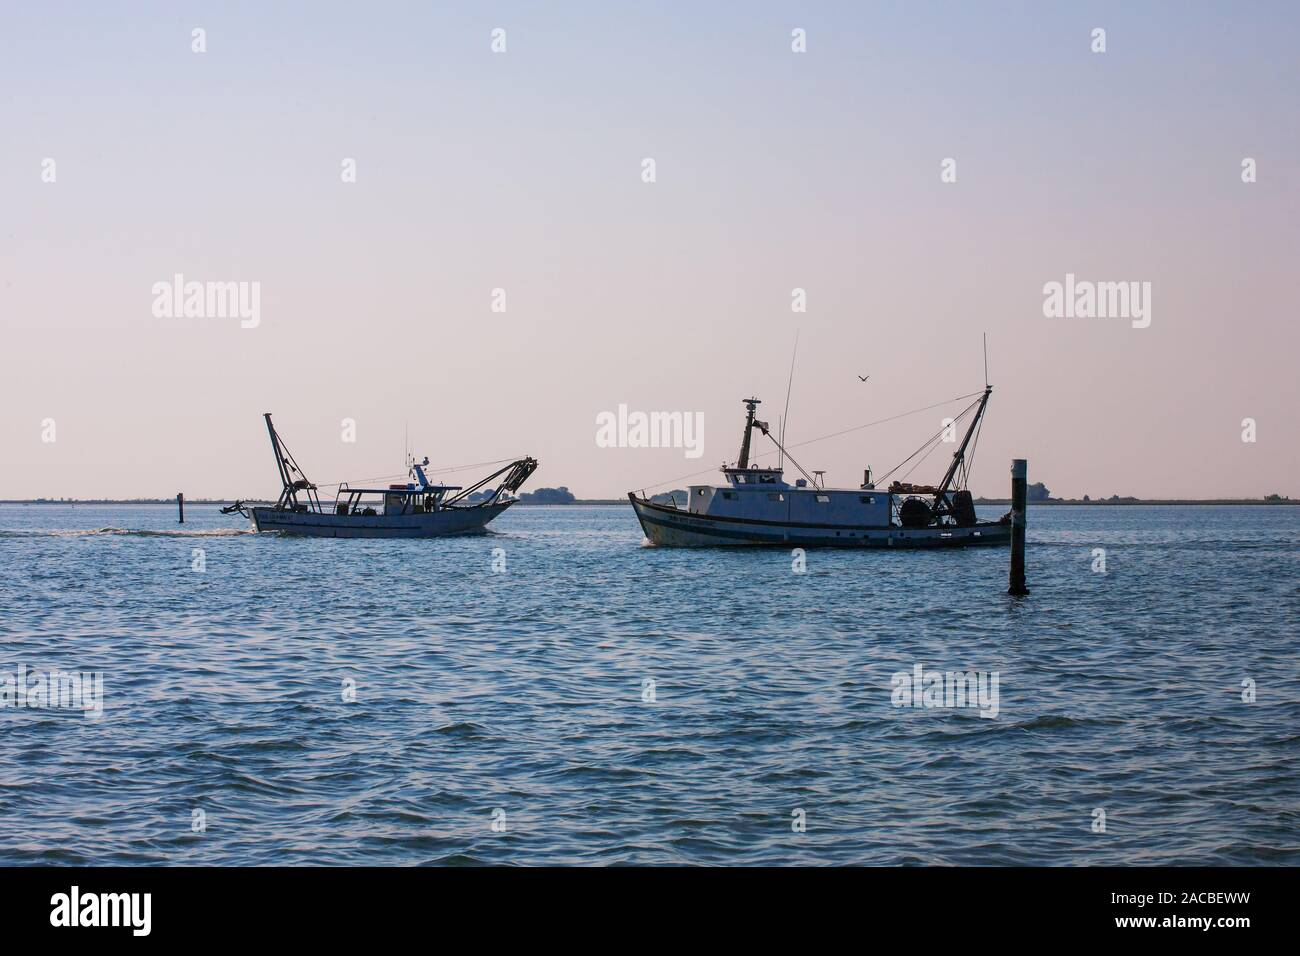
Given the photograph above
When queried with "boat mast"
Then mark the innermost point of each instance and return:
(960, 454)
(288, 467)
(751, 404)
(287, 493)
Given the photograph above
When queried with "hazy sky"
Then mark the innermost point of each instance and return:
(522, 171)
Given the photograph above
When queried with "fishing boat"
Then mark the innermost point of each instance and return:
(413, 509)
(757, 506)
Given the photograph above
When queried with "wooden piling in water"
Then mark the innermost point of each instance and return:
(1019, 480)
(180, 506)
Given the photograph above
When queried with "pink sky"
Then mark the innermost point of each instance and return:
(522, 171)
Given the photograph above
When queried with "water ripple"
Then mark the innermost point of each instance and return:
(343, 702)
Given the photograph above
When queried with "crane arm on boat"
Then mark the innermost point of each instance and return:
(516, 473)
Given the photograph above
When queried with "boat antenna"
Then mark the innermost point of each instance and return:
(986, 360)
(786, 413)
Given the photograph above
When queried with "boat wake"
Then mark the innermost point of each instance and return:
(127, 532)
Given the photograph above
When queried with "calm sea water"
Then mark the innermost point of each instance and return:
(522, 698)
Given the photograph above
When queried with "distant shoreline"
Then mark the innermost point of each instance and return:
(1123, 502)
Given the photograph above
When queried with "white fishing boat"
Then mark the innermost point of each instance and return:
(757, 506)
(413, 509)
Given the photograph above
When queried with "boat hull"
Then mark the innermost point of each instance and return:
(437, 524)
(672, 527)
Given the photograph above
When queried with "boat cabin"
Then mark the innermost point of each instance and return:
(762, 494)
(407, 499)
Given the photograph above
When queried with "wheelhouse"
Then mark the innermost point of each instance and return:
(754, 476)
(407, 499)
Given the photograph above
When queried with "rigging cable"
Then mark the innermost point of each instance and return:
(844, 431)
(789, 456)
(431, 471)
(931, 441)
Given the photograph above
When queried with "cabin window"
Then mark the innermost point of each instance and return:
(775, 496)
(729, 495)
(867, 500)
(823, 499)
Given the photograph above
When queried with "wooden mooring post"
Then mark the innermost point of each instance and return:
(180, 506)
(1019, 480)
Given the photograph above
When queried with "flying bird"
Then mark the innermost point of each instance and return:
(863, 378)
